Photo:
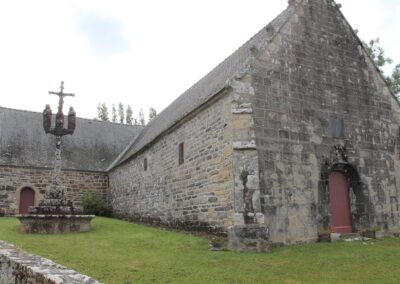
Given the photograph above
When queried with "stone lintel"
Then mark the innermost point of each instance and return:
(244, 145)
(242, 110)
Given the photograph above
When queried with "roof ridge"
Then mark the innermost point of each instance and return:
(81, 118)
(204, 89)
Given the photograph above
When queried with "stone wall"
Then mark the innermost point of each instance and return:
(13, 179)
(22, 268)
(197, 194)
(315, 88)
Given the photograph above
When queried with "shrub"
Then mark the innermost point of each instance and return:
(92, 203)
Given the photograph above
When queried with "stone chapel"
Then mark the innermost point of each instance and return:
(296, 131)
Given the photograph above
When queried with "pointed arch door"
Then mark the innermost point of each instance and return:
(340, 202)
(27, 199)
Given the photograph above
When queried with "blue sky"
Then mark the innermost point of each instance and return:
(142, 53)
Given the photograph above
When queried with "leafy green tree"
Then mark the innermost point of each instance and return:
(129, 114)
(152, 113)
(142, 120)
(102, 112)
(113, 113)
(394, 80)
(121, 113)
(377, 54)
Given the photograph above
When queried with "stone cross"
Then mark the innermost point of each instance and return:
(61, 94)
(59, 129)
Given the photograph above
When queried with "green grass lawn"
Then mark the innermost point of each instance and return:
(120, 252)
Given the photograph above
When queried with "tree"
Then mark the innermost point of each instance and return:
(121, 113)
(129, 114)
(113, 113)
(152, 113)
(102, 112)
(394, 80)
(142, 120)
(377, 54)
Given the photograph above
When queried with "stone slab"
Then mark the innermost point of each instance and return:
(54, 224)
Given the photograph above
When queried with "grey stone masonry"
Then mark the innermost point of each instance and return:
(320, 105)
(17, 267)
(196, 194)
(248, 238)
(54, 224)
(13, 179)
(300, 100)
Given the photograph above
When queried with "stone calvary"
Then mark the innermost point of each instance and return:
(55, 212)
(294, 134)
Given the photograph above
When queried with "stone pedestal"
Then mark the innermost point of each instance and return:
(54, 224)
(248, 238)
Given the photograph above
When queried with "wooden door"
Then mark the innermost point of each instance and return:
(340, 202)
(27, 198)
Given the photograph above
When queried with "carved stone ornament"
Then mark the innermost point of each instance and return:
(339, 155)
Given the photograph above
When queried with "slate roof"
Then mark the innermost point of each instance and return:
(93, 146)
(203, 90)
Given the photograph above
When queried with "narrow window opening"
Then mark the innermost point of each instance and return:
(145, 164)
(181, 154)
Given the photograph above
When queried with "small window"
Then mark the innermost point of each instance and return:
(145, 164)
(181, 153)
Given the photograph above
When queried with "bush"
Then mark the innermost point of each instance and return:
(92, 203)
(2, 212)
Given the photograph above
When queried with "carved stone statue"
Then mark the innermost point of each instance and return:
(71, 119)
(249, 216)
(47, 119)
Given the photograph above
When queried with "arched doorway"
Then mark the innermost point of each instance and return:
(340, 202)
(27, 199)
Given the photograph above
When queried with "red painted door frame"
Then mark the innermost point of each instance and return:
(340, 203)
(26, 199)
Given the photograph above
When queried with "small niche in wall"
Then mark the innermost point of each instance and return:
(145, 164)
(181, 153)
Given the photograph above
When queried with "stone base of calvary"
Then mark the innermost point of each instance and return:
(55, 213)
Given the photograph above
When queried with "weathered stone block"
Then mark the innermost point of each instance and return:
(54, 224)
(248, 238)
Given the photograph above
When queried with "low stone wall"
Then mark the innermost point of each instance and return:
(17, 267)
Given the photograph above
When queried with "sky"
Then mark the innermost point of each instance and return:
(142, 53)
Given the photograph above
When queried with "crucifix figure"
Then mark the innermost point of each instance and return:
(59, 129)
